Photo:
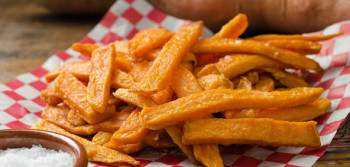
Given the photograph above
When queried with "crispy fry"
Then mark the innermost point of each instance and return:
(208, 69)
(208, 154)
(203, 103)
(123, 62)
(127, 148)
(246, 113)
(286, 79)
(122, 79)
(121, 47)
(130, 132)
(295, 60)
(189, 61)
(101, 71)
(265, 84)
(95, 152)
(292, 37)
(84, 49)
(234, 28)
(73, 93)
(158, 139)
(175, 132)
(253, 77)
(213, 81)
(140, 69)
(75, 119)
(266, 132)
(300, 46)
(58, 116)
(164, 66)
(147, 40)
(163, 96)
(184, 83)
(244, 83)
(101, 137)
(234, 65)
(134, 98)
(113, 124)
(79, 69)
(49, 96)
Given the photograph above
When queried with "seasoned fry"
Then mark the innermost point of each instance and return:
(101, 71)
(244, 83)
(208, 69)
(234, 28)
(130, 132)
(122, 79)
(123, 62)
(286, 79)
(213, 81)
(127, 148)
(147, 40)
(164, 66)
(295, 60)
(84, 49)
(189, 61)
(300, 46)
(49, 96)
(73, 93)
(75, 119)
(266, 132)
(184, 83)
(253, 77)
(246, 113)
(175, 133)
(134, 98)
(95, 152)
(234, 65)
(163, 96)
(208, 154)
(58, 116)
(292, 37)
(101, 137)
(113, 124)
(80, 69)
(203, 103)
(140, 69)
(265, 84)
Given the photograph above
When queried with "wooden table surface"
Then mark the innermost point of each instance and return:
(30, 34)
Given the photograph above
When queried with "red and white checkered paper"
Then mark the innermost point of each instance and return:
(21, 107)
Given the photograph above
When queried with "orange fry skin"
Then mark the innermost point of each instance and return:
(163, 68)
(134, 98)
(80, 69)
(49, 96)
(84, 49)
(163, 96)
(94, 152)
(140, 70)
(75, 119)
(300, 46)
(314, 38)
(116, 121)
(208, 69)
(208, 154)
(184, 82)
(287, 79)
(213, 81)
(266, 132)
(203, 103)
(101, 71)
(147, 40)
(122, 79)
(73, 93)
(234, 28)
(101, 137)
(130, 132)
(265, 84)
(295, 60)
(127, 148)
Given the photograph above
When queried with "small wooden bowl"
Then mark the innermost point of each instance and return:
(18, 138)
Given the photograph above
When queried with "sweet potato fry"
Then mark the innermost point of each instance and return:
(140, 69)
(130, 132)
(184, 82)
(95, 152)
(208, 69)
(75, 119)
(300, 46)
(123, 62)
(84, 49)
(292, 37)
(158, 139)
(234, 28)
(175, 132)
(113, 124)
(101, 71)
(208, 154)
(213, 81)
(164, 66)
(244, 83)
(266, 132)
(73, 93)
(101, 137)
(286, 79)
(246, 113)
(58, 116)
(134, 98)
(163, 96)
(295, 60)
(300, 113)
(151, 55)
(234, 65)
(127, 148)
(49, 96)
(121, 47)
(189, 61)
(147, 40)
(265, 84)
(253, 77)
(122, 79)
(80, 69)
(203, 103)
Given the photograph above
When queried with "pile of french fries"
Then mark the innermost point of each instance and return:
(161, 89)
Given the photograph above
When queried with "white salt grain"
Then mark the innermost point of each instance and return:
(36, 156)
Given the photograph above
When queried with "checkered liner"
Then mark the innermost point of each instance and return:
(21, 107)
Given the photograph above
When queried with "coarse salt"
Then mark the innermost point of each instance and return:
(36, 156)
